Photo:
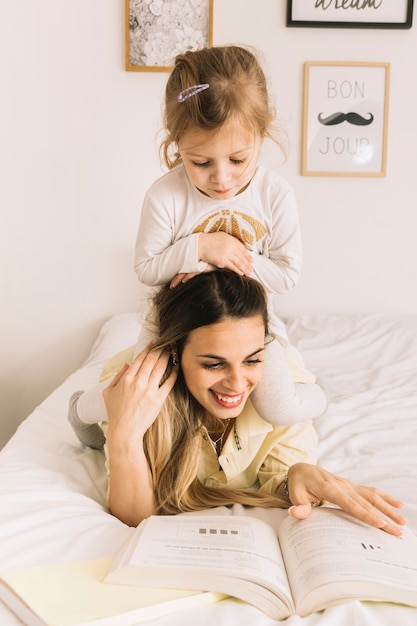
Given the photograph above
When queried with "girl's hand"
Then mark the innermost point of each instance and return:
(310, 484)
(135, 397)
(225, 251)
(185, 277)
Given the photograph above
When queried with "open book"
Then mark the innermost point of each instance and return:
(324, 560)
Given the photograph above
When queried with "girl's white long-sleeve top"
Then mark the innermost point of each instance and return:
(264, 217)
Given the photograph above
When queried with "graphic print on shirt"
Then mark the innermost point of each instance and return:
(240, 225)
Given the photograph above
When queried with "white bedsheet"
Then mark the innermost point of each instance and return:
(52, 489)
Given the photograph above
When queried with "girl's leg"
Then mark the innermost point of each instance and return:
(87, 408)
(280, 400)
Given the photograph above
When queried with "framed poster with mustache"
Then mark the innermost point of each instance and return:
(345, 118)
(350, 13)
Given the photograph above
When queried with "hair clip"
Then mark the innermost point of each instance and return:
(191, 91)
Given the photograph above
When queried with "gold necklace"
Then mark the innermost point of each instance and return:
(218, 443)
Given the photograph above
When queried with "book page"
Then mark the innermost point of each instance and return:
(240, 546)
(209, 549)
(335, 551)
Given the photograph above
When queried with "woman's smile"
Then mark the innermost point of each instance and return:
(229, 401)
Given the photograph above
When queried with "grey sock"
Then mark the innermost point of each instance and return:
(90, 435)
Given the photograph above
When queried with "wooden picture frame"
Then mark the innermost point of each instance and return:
(345, 118)
(350, 13)
(156, 31)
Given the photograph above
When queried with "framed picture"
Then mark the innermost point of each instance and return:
(156, 31)
(350, 13)
(345, 118)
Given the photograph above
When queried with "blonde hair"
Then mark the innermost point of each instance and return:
(173, 444)
(237, 92)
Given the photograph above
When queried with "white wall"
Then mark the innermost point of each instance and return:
(78, 150)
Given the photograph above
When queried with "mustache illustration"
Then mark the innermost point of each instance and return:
(351, 118)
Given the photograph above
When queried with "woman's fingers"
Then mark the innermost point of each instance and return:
(118, 376)
(148, 365)
(300, 511)
(376, 509)
(147, 354)
(309, 484)
(136, 395)
(134, 366)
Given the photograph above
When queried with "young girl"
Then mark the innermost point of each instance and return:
(182, 433)
(217, 208)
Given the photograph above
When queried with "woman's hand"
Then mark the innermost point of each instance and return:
(135, 397)
(133, 401)
(310, 484)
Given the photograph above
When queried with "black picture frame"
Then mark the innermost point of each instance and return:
(319, 7)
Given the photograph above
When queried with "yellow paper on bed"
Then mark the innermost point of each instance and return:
(73, 594)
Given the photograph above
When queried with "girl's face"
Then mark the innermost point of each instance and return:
(220, 163)
(222, 364)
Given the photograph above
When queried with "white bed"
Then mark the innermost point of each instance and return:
(52, 490)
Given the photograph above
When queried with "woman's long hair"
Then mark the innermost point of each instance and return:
(173, 444)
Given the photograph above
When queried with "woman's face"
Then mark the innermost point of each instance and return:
(222, 364)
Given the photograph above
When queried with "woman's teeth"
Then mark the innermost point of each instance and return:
(229, 399)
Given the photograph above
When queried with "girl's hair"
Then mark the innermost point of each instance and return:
(237, 92)
(173, 443)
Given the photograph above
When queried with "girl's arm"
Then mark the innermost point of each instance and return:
(133, 401)
(158, 258)
(158, 255)
(279, 266)
(219, 250)
(162, 251)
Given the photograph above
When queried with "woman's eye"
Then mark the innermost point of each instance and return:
(237, 161)
(254, 361)
(214, 366)
(197, 164)
(210, 366)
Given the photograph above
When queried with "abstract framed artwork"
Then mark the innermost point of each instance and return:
(350, 13)
(345, 118)
(157, 30)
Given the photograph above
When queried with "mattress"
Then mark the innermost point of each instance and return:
(52, 489)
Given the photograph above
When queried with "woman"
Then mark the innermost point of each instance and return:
(182, 433)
